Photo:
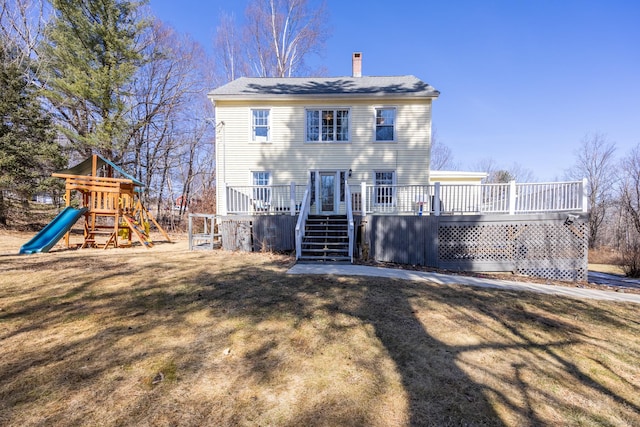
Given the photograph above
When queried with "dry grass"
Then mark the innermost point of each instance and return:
(171, 337)
(605, 256)
(607, 268)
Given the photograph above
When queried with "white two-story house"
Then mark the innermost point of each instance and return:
(338, 167)
(321, 131)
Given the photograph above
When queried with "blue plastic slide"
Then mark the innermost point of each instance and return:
(49, 236)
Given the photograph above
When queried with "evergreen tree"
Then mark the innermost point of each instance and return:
(28, 151)
(90, 57)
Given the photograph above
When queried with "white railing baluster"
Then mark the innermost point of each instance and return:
(501, 198)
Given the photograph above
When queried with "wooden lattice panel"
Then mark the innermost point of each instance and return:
(547, 249)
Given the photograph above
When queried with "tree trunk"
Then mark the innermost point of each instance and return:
(4, 208)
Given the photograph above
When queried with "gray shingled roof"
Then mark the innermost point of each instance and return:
(310, 87)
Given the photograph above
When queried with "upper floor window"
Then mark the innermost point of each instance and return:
(328, 125)
(260, 125)
(385, 124)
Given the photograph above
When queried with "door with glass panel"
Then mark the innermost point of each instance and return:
(327, 192)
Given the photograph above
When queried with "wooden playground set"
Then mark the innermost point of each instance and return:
(112, 209)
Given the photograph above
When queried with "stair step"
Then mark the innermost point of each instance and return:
(325, 258)
(325, 225)
(326, 235)
(327, 250)
(326, 239)
(313, 245)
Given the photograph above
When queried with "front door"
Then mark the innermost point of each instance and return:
(327, 192)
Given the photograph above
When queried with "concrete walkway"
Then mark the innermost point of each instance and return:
(446, 279)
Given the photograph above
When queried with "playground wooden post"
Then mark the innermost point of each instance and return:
(112, 204)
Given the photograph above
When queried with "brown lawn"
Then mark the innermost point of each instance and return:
(171, 337)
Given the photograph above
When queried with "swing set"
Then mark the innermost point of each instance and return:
(112, 209)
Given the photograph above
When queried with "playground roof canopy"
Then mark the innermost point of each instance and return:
(86, 168)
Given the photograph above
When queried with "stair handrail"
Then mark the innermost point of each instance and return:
(302, 220)
(347, 196)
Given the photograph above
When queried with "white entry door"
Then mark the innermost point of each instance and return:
(325, 192)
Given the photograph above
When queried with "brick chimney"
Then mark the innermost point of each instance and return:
(356, 64)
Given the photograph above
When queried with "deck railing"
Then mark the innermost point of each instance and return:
(301, 224)
(265, 199)
(202, 231)
(436, 199)
(351, 227)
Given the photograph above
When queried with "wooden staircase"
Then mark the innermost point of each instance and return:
(326, 239)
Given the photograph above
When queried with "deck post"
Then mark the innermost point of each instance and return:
(585, 196)
(512, 197)
(292, 198)
(436, 199)
(225, 199)
(363, 198)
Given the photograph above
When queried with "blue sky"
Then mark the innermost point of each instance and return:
(520, 81)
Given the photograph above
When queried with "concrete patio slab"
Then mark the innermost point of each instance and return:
(446, 279)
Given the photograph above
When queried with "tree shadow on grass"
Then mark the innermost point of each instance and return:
(440, 393)
(255, 333)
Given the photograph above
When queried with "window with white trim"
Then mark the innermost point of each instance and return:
(328, 125)
(261, 189)
(384, 188)
(385, 124)
(260, 125)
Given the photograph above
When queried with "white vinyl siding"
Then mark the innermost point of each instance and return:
(289, 157)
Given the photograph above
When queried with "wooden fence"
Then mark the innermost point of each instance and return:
(551, 245)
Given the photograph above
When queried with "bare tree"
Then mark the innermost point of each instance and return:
(594, 160)
(229, 55)
(22, 24)
(441, 155)
(281, 34)
(168, 103)
(629, 179)
(629, 174)
(499, 174)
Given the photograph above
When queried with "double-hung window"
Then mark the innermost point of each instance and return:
(384, 188)
(261, 190)
(260, 125)
(328, 125)
(385, 124)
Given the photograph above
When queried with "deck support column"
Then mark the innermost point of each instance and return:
(512, 197)
(292, 198)
(224, 198)
(585, 196)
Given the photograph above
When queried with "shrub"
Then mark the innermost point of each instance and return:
(631, 260)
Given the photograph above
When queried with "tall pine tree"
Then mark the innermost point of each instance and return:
(90, 56)
(28, 150)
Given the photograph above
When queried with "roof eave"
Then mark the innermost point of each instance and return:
(289, 97)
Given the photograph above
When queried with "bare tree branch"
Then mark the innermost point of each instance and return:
(282, 34)
(441, 155)
(22, 24)
(594, 160)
